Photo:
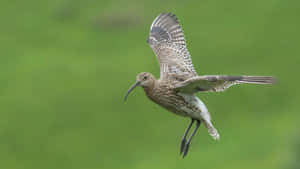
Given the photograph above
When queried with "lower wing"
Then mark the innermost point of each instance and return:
(216, 83)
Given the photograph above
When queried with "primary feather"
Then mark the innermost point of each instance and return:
(167, 41)
(216, 83)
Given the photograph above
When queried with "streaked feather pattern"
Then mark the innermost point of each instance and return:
(166, 28)
(168, 43)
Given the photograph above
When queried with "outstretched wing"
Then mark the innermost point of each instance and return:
(216, 83)
(168, 43)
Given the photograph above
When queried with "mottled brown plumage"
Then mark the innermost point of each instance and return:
(178, 81)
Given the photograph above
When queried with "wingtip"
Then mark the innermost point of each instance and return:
(260, 79)
(169, 14)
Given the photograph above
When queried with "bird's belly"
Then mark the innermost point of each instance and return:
(195, 107)
(173, 104)
(183, 105)
(177, 110)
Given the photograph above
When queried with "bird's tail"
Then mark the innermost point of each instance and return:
(211, 129)
(257, 79)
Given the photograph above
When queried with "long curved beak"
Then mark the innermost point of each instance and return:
(131, 88)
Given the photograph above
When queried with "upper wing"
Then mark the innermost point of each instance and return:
(216, 83)
(168, 43)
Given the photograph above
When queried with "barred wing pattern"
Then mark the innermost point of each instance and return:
(216, 83)
(168, 43)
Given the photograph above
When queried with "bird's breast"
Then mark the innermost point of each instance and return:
(179, 103)
(170, 100)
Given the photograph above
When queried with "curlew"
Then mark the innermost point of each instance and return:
(175, 89)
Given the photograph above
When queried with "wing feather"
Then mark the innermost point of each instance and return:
(168, 43)
(216, 83)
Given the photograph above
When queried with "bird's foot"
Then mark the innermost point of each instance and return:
(182, 145)
(186, 149)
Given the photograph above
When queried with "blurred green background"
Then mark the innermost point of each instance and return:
(66, 65)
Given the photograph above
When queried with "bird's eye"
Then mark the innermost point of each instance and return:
(145, 78)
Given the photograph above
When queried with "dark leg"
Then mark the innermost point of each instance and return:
(187, 145)
(183, 140)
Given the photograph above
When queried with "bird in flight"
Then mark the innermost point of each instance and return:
(178, 83)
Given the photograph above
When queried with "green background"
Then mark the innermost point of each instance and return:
(66, 65)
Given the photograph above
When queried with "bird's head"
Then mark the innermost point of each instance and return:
(144, 79)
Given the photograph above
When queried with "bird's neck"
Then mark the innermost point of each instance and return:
(149, 89)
